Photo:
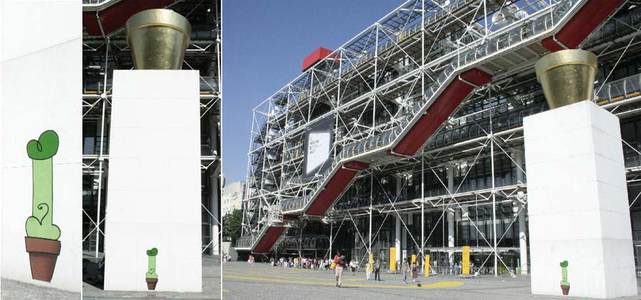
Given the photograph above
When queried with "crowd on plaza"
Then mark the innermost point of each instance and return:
(372, 271)
(302, 263)
(409, 267)
(339, 264)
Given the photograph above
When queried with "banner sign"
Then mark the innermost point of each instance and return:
(318, 145)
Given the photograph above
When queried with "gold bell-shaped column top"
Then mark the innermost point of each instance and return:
(567, 76)
(158, 39)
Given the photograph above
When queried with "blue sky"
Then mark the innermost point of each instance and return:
(264, 43)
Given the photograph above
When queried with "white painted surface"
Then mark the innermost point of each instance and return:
(153, 197)
(318, 149)
(40, 80)
(578, 203)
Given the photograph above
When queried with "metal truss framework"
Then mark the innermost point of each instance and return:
(371, 86)
(508, 144)
(96, 105)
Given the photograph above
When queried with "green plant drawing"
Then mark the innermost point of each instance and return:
(564, 273)
(41, 151)
(151, 264)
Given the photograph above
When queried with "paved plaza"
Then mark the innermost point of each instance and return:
(262, 281)
(211, 287)
(16, 290)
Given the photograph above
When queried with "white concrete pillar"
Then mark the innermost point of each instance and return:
(450, 228)
(215, 239)
(518, 157)
(214, 209)
(450, 211)
(56, 56)
(397, 239)
(522, 243)
(404, 243)
(578, 208)
(401, 233)
(157, 221)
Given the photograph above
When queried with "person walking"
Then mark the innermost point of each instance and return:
(369, 270)
(353, 265)
(414, 270)
(377, 269)
(339, 261)
(405, 268)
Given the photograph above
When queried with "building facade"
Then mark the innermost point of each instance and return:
(425, 152)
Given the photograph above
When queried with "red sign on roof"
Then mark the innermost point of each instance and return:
(314, 57)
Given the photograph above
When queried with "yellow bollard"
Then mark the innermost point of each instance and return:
(392, 259)
(465, 265)
(426, 266)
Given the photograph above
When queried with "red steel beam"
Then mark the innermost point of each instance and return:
(440, 110)
(588, 18)
(335, 187)
(268, 239)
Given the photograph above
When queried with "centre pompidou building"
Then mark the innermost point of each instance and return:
(407, 139)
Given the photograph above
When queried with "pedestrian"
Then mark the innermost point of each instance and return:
(377, 269)
(405, 268)
(352, 265)
(339, 261)
(414, 269)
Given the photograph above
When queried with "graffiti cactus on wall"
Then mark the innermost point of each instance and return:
(565, 284)
(41, 151)
(42, 235)
(151, 277)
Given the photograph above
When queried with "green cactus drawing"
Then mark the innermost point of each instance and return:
(151, 265)
(564, 273)
(41, 151)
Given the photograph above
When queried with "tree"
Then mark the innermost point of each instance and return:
(232, 223)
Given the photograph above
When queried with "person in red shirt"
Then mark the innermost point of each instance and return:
(339, 261)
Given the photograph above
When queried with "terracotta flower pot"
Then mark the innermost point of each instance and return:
(151, 283)
(43, 254)
(565, 289)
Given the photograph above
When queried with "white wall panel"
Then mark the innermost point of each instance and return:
(40, 84)
(154, 188)
(578, 202)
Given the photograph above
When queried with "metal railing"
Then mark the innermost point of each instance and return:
(618, 90)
